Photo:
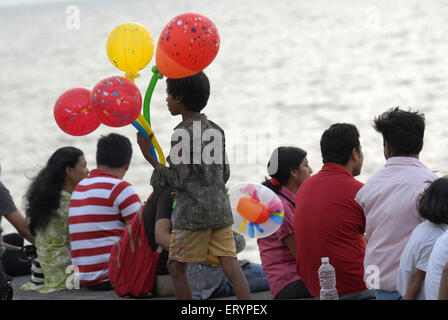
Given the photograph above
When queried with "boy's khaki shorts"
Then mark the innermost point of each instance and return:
(202, 246)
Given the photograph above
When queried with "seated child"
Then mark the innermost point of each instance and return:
(433, 207)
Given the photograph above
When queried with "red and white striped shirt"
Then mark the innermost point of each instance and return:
(99, 207)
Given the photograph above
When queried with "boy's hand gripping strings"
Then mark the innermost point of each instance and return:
(145, 147)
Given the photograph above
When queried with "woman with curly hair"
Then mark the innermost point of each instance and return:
(47, 201)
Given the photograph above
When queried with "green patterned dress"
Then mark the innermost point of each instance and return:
(53, 250)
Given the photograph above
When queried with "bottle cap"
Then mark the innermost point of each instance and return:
(325, 259)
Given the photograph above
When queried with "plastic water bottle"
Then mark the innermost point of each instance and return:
(327, 280)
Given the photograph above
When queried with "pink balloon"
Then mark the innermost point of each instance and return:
(73, 113)
(116, 101)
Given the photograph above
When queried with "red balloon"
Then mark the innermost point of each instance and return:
(73, 113)
(187, 45)
(116, 101)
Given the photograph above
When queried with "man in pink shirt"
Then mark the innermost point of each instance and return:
(389, 198)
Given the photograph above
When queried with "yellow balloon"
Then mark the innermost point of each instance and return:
(130, 48)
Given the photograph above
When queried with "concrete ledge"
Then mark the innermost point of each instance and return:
(86, 294)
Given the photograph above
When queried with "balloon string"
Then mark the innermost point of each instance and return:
(148, 95)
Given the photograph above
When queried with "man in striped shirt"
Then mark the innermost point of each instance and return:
(100, 208)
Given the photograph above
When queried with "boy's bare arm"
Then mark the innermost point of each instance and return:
(163, 233)
(145, 147)
(169, 177)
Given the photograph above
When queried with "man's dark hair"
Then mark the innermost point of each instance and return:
(433, 205)
(338, 141)
(403, 130)
(193, 91)
(113, 150)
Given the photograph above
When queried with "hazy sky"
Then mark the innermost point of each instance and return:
(28, 2)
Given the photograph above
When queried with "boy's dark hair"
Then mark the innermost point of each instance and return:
(193, 91)
(113, 150)
(338, 141)
(404, 130)
(433, 204)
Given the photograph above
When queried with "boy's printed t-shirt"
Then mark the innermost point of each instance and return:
(99, 207)
(202, 202)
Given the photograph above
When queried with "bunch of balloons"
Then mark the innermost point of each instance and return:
(187, 45)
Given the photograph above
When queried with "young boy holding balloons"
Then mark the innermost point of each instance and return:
(202, 217)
